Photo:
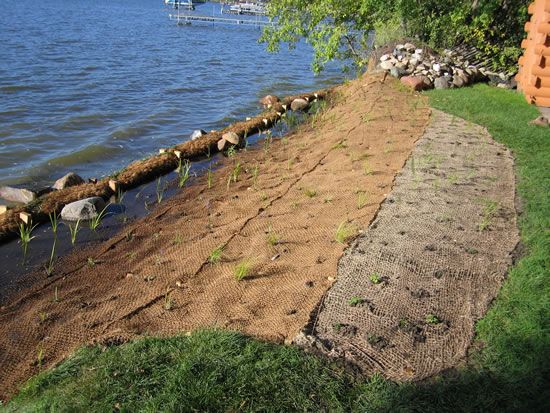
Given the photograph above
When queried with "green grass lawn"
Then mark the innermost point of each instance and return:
(223, 371)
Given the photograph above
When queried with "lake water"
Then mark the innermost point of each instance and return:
(90, 85)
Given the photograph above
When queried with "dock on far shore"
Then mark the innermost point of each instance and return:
(187, 18)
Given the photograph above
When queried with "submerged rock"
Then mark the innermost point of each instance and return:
(83, 210)
(197, 134)
(19, 195)
(71, 179)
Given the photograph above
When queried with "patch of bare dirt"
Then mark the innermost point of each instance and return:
(280, 215)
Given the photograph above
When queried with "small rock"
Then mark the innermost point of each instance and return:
(232, 138)
(197, 134)
(458, 82)
(269, 100)
(83, 210)
(540, 121)
(441, 83)
(19, 195)
(418, 51)
(385, 57)
(71, 179)
(299, 105)
(409, 47)
(436, 67)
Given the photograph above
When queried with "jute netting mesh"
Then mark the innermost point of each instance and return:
(280, 216)
(411, 288)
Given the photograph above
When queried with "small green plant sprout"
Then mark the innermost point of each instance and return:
(432, 319)
(355, 301)
(91, 262)
(338, 326)
(340, 145)
(54, 221)
(25, 231)
(161, 189)
(362, 199)
(73, 229)
(365, 118)
(243, 269)
(310, 193)
(272, 238)
(42, 317)
(49, 267)
(178, 239)
(404, 324)
(453, 179)
(235, 173)
(345, 232)
(232, 151)
(183, 172)
(216, 255)
(263, 197)
(209, 177)
(96, 221)
(168, 301)
(267, 144)
(328, 199)
(39, 357)
(255, 172)
(375, 278)
(490, 208)
(367, 169)
(119, 197)
(56, 295)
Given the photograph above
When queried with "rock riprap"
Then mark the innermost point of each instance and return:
(452, 69)
(83, 210)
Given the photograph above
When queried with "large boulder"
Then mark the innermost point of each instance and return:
(269, 100)
(83, 210)
(19, 195)
(299, 105)
(71, 179)
(197, 134)
(416, 83)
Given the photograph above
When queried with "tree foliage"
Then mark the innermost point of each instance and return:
(339, 29)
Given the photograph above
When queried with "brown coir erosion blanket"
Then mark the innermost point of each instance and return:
(281, 215)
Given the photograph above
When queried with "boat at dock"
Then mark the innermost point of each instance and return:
(246, 8)
(183, 5)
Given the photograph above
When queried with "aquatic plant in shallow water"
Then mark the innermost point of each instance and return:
(25, 231)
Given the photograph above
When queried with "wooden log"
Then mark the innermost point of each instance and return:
(114, 185)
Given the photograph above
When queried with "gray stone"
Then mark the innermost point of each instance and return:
(458, 82)
(71, 179)
(436, 67)
(83, 210)
(19, 195)
(300, 104)
(197, 134)
(385, 57)
(441, 83)
(398, 72)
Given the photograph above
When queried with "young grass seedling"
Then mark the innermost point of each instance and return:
(255, 172)
(183, 172)
(95, 222)
(91, 262)
(489, 210)
(242, 269)
(375, 278)
(168, 301)
(40, 357)
(344, 232)
(355, 301)
(74, 231)
(310, 193)
(49, 267)
(216, 255)
(272, 238)
(340, 145)
(362, 199)
(55, 295)
(432, 319)
(161, 189)
(25, 231)
(367, 170)
(54, 220)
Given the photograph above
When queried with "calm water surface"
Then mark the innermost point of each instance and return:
(90, 85)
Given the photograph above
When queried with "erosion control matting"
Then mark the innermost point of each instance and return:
(279, 217)
(411, 288)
